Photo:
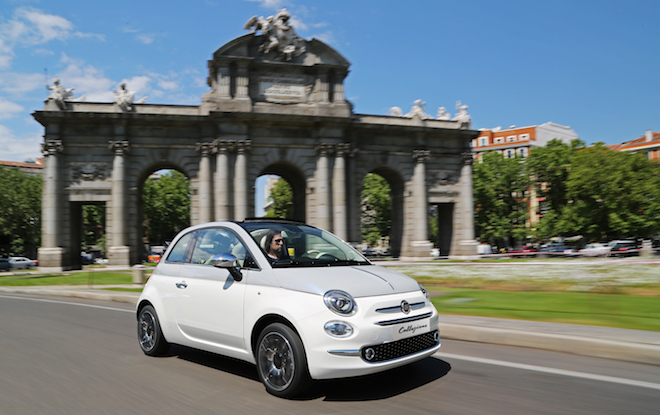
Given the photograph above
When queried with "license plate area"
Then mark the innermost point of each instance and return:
(410, 329)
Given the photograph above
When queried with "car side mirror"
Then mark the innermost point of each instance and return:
(227, 261)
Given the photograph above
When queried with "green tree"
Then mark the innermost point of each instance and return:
(376, 209)
(611, 195)
(282, 197)
(166, 206)
(20, 211)
(93, 224)
(500, 198)
(549, 167)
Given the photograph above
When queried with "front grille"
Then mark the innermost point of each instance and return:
(400, 348)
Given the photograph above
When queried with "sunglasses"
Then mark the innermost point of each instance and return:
(277, 241)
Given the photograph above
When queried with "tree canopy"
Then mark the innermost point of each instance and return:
(282, 197)
(376, 207)
(20, 212)
(166, 206)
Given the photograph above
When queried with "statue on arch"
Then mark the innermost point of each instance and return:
(124, 98)
(462, 115)
(60, 94)
(443, 114)
(279, 35)
(418, 109)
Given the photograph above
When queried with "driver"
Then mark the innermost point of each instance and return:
(274, 245)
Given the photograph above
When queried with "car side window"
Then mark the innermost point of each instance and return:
(218, 241)
(178, 253)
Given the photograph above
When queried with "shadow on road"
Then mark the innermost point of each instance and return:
(364, 388)
(382, 385)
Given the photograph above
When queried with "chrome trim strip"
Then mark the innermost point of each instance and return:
(404, 320)
(396, 309)
(345, 352)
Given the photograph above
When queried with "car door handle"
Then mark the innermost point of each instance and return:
(181, 285)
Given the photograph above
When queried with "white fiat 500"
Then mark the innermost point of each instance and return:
(293, 299)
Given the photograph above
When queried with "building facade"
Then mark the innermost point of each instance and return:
(649, 144)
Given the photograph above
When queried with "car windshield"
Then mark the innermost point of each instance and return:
(302, 245)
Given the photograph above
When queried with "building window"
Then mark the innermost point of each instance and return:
(511, 138)
(483, 142)
(499, 140)
(522, 152)
(510, 153)
(523, 137)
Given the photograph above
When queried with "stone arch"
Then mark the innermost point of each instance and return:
(296, 179)
(397, 188)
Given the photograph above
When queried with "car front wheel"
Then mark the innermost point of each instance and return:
(281, 361)
(150, 336)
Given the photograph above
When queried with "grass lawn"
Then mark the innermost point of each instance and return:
(74, 278)
(622, 311)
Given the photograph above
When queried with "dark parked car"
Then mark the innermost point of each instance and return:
(523, 251)
(624, 248)
(557, 249)
(4, 264)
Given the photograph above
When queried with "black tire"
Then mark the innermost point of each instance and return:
(150, 336)
(281, 361)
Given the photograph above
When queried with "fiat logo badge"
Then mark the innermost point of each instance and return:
(405, 307)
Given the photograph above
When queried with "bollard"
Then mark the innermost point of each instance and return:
(138, 274)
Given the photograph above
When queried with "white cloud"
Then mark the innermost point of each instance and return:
(9, 109)
(271, 4)
(31, 27)
(146, 39)
(87, 80)
(19, 83)
(326, 37)
(13, 148)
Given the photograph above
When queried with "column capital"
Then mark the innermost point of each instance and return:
(343, 149)
(325, 149)
(421, 156)
(120, 147)
(205, 148)
(243, 146)
(224, 146)
(51, 147)
(468, 158)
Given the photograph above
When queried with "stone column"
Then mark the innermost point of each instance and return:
(240, 180)
(51, 253)
(322, 86)
(323, 187)
(118, 252)
(467, 245)
(338, 85)
(242, 81)
(222, 148)
(339, 205)
(223, 81)
(205, 192)
(421, 246)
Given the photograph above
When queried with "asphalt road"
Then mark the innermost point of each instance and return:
(64, 356)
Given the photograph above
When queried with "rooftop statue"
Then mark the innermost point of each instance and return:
(124, 98)
(418, 109)
(462, 115)
(60, 94)
(443, 114)
(279, 35)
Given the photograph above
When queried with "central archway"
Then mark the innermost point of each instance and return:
(295, 178)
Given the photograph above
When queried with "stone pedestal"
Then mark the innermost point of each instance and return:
(52, 259)
(119, 256)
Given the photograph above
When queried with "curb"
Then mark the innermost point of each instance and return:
(584, 346)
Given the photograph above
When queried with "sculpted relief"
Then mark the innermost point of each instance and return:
(278, 34)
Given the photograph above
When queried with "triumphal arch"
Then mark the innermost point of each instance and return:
(276, 105)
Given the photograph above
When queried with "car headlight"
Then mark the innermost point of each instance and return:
(426, 293)
(340, 302)
(338, 329)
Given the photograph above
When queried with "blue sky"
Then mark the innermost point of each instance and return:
(591, 65)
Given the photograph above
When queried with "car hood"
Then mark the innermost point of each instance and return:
(358, 281)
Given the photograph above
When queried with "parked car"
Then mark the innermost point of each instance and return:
(4, 264)
(21, 262)
(594, 249)
(557, 249)
(623, 248)
(523, 251)
(320, 310)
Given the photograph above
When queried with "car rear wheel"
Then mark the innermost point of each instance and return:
(150, 336)
(281, 361)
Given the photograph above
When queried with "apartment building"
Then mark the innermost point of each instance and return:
(520, 140)
(648, 144)
(30, 166)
